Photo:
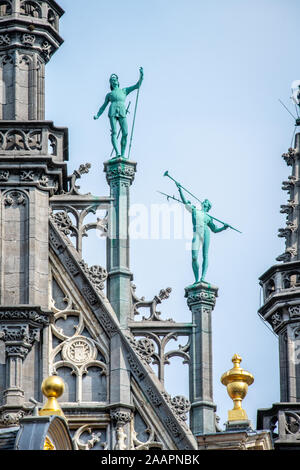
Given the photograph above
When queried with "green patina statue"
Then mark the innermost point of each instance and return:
(202, 222)
(117, 111)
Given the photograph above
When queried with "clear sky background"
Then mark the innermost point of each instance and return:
(209, 113)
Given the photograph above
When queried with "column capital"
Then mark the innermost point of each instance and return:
(120, 169)
(201, 293)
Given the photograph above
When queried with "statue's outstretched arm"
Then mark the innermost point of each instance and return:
(137, 85)
(216, 229)
(186, 203)
(102, 109)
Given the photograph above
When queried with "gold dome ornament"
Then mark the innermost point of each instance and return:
(52, 387)
(237, 380)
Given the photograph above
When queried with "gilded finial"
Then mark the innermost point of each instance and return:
(52, 387)
(237, 380)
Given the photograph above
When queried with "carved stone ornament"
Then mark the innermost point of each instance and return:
(179, 404)
(14, 198)
(10, 418)
(5, 40)
(289, 157)
(4, 175)
(276, 319)
(120, 418)
(73, 188)
(287, 255)
(119, 170)
(24, 315)
(294, 311)
(203, 296)
(144, 348)
(97, 275)
(27, 175)
(151, 304)
(79, 350)
(62, 222)
(28, 39)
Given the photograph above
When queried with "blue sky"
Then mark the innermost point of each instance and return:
(209, 113)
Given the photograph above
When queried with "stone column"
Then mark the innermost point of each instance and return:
(201, 299)
(19, 329)
(120, 174)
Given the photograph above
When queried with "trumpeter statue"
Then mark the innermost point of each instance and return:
(203, 222)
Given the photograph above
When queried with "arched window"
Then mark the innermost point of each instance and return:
(31, 9)
(52, 18)
(5, 8)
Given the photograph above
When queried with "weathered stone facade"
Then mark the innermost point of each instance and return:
(281, 309)
(57, 314)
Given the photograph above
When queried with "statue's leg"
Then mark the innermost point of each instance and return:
(124, 128)
(205, 254)
(114, 140)
(195, 256)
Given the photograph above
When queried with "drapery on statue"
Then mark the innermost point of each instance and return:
(202, 222)
(117, 110)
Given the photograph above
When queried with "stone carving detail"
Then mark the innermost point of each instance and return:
(276, 319)
(120, 418)
(20, 329)
(62, 221)
(83, 169)
(20, 140)
(286, 256)
(44, 180)
(179, 404)
(288, 185)
(207, 297)
(14, 198)
(120, 170)
(54, 239)
(289, 157)
(151, 304)
(9, 418)
(294, 311)
(21, 315)
(154, 397)
(90, 443)
(172, 426)
(5, 40)
(78, 229)
(288, 208)
(74, 349)
(89, 294)
(107, 323)
(27, 175)
(79, 350)
(46, 49)
(135, 367)
(8, 59)
(144, 348)
(31, 8)
(96, 275)
(28, 39)
(4, 175)
(121, 437)
(285, 232)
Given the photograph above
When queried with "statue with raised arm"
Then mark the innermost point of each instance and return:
(202, 224)
(117, 110)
